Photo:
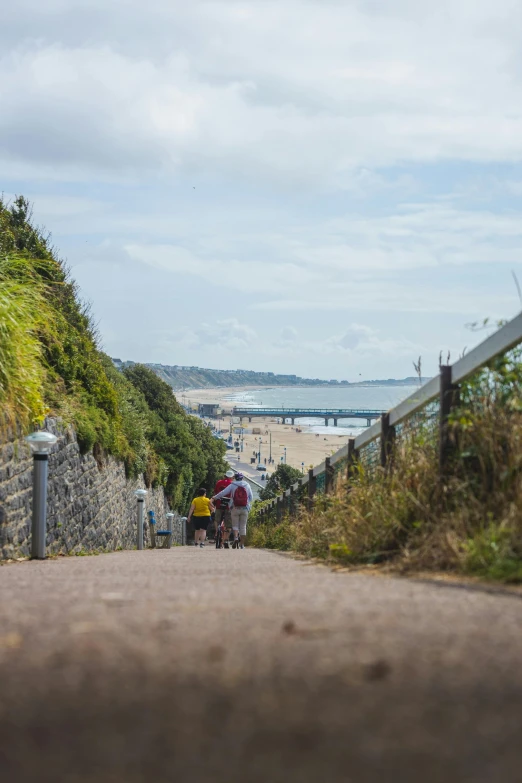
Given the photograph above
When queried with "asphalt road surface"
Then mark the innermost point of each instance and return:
(248, 666)
(244, 465)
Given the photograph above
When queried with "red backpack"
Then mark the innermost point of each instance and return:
(240, 497)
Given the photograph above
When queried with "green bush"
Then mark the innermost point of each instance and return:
(412, 518)
(50, 363)
(281, 479)
(192, 456)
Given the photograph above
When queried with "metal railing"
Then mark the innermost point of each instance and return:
(373, 446)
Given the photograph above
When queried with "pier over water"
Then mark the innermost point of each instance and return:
(309, 413)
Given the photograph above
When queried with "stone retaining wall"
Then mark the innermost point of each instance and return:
(91, 504)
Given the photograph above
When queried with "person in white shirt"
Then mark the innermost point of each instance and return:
(241, 499)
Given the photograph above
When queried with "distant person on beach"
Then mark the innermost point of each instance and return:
(241, 501)
(201, 509)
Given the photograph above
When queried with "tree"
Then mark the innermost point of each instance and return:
(193, 458)
(282, 478)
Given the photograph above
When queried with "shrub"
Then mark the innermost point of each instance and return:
(281, 479)
(192, 456)
(51, 363)
(469, 520)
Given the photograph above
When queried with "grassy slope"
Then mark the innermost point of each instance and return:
(50, 363)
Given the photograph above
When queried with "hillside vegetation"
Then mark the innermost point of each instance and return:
(51, 364)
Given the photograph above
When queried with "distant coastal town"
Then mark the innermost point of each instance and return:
(184, 377)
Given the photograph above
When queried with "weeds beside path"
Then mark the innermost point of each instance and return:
(466, 520)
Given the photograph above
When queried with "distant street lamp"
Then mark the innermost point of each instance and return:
(140, 495)
(302, 467)
(285, 455)
(259, 452)
(41, 443)
(170, 517)
(183, 531)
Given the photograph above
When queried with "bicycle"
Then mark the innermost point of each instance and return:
(221, 530)
(219, 534)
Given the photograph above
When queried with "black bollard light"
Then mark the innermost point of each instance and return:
(41, 443)
(141, 495)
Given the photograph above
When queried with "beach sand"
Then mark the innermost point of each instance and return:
(301, 447)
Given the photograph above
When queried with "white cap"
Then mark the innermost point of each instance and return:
(230, 474)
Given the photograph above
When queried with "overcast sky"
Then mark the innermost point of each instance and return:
(321, 187)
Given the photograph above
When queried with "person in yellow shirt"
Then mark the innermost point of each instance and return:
(201, 509)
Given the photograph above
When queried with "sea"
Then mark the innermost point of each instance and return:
(373, 397)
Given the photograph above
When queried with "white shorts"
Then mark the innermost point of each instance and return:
(239, 520)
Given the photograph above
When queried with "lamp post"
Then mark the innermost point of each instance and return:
(170, 517)
(302, 467)
(270, 456)
(259, 452)
(285, 455)
(140, 495)
(40, 443)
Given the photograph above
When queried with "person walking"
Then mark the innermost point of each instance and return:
(241, 498)
(222, 511)
(201, 509)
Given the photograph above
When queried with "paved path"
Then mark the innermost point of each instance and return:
(204, 665)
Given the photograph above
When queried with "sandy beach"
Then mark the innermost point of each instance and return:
(301, 447)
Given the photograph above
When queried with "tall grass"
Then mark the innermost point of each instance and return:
(411, 517)
(51, 363)
(25, 314)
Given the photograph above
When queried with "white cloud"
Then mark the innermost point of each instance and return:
(228, 334)
(357, 340)
(293, 91)
(358, 263)
(232, 273)
(294, 162)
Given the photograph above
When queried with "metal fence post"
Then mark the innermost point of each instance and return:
(279, 509)
(291, 510)
(352, 458)
(312, 487)
(328, 476)
(449, 394)
(387, 439)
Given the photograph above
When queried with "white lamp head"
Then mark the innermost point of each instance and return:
(41, 441)
(141, 493)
